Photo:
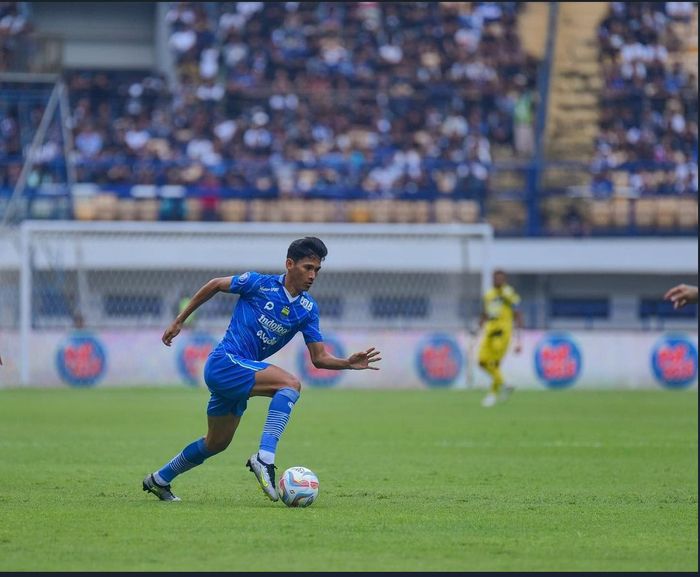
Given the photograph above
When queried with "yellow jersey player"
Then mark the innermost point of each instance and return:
(500, 309)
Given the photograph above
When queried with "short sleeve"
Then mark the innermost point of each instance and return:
(244, 283)
(513, 298)
(311, 330)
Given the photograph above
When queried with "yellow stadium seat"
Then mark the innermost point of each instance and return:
(126, 209)
(359, 211)
(84, 208)
(645, 213)
(106, 206)
(444, 210)
(233, 210)
(292, 209)
(147, 209)
(467, 211)
(687, 213)
(422, 211)
(193, 209)
(601, 214)
(382, 210)
(666, 213)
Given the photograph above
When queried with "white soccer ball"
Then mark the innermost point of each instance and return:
(298, 487)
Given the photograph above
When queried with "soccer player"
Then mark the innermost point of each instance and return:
(270, 311)
(500, 308)
(682, 295)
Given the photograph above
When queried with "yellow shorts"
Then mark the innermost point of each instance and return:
(494, 347)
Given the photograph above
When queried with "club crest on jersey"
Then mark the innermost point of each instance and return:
(285, 311)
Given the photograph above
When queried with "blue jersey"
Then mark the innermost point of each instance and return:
(266, 317)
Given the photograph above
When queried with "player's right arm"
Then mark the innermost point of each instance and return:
(215, 285)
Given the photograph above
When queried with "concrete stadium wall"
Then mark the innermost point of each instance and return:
(101, 34)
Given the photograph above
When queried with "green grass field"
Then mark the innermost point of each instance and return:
(409, 481)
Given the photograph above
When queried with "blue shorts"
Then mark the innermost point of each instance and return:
(230, 379)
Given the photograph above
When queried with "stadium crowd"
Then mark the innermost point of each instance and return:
(316, 99)
(14, 26)
(359, 100)
(649, 102)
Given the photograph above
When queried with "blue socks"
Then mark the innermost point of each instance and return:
(281, 407)
(192, 455)
(196, 453)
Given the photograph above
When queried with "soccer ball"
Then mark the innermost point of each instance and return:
(298, 487)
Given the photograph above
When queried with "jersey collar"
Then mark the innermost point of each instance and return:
(290, 298)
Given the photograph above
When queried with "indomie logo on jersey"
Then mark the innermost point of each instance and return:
(674, 361)
(439, 360)
(191, 356)
(81, 360)
(320, 377)
(558, 360)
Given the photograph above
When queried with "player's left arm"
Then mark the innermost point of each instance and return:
(322, 359)
(514, 299)
(518, 317)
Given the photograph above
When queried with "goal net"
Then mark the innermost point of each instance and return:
(95, 297)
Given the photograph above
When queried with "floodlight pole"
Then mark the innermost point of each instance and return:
(29, 162)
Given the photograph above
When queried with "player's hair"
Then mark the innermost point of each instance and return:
(307, 246)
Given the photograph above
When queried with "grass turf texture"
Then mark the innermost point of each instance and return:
(409, 480)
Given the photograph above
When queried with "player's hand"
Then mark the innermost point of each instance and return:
(681, 295)
(171, 332)
(362, 360)
(517, 349)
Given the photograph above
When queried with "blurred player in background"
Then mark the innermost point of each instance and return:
(500, 309)
(182, 305)
(270, 311)
(682, 295)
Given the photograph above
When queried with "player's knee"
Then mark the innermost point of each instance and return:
(292, 383)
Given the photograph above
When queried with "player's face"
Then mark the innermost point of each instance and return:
(302, 273)
(499, 279)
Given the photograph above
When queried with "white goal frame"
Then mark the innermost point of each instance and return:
(425, 248)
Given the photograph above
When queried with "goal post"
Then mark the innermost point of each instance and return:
(129, 278)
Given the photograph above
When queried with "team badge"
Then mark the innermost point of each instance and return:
(285, 311)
